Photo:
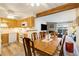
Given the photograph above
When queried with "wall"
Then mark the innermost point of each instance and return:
(77, 35)
(77, 32)
(51, 26)
(38, 23)
(64, 16)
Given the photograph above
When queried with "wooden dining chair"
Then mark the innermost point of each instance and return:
(28, 47)
(62, 46)
(42, 35)
(69, 47)
(34, 36)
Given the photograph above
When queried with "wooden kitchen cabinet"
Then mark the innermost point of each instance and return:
(31, 22)
(13, 23)
(5, 39)
(78, 21)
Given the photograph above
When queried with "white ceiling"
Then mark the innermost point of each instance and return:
(22, 10)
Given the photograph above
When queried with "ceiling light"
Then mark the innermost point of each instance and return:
(32, 4)
(35, 4)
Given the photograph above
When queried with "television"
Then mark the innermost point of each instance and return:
(43, 27)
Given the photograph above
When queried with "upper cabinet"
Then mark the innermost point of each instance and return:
(31, 22)
(12, 23)
(27, 22)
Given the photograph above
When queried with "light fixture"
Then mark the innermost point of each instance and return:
(32, 4)
(35, 4)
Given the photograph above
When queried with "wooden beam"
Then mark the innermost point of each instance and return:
(58, 9)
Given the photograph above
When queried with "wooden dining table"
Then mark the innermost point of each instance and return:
(47, 47)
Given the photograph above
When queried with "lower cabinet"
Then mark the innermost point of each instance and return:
(4, 39)
(8, 38)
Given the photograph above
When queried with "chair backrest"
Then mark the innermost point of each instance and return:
(34, 36)
(69, 47)
(62, 44)
(28, 47)
(42, 35)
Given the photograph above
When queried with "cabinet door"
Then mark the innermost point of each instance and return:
(31, 22)
(4, 39)
(0, 40)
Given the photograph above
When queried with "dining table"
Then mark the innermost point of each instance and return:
(47, 46)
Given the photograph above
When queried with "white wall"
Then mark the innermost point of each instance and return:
(77, 32)
(64, 16)
(38, 23)
(77, 36)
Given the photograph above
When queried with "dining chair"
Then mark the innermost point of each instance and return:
(42, 35)
(34, 36)
(28, 47)
(69, 47)
(62, 46)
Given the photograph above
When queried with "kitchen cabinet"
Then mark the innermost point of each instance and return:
(31, 22)
(13, 23)
(4, 39)
(0, 40)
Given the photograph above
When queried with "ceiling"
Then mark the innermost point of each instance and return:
(24, 10)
